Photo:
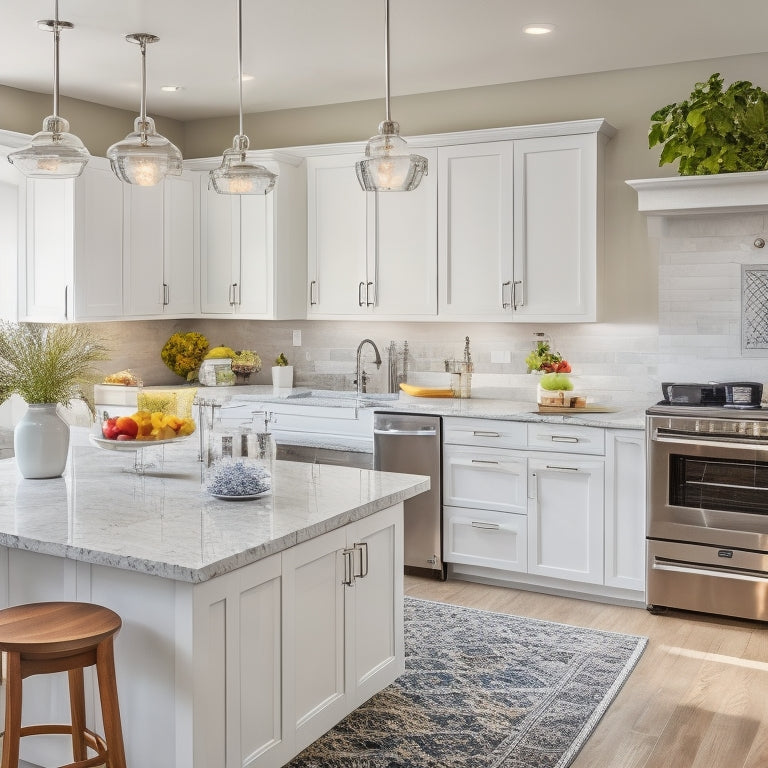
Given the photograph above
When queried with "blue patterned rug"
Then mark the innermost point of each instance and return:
(483, 690)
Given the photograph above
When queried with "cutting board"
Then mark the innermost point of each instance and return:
(576, 411)
(415, 391)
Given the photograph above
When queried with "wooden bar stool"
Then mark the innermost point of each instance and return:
(42, 638)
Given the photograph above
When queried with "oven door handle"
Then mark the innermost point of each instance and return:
(740, 443)
(720, 573)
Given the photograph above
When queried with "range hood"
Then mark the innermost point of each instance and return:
(686, 195)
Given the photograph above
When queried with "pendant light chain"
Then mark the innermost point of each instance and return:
(143, 105)
(56, 35)
(240, 60)
(386, 61)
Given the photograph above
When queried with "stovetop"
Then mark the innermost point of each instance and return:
(708, 411)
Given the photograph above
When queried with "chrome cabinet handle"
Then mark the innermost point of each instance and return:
(564, 439)
(484, 461)
(486, 526)
(362, 548)
(66, 302)
(360, 300)
(312, 293)
(368, 302)
(166, 295)
(504, 303)
(236, 292)
(231, 294)
(562, 469)
(349, 571)
(515, 302)
(486, 434)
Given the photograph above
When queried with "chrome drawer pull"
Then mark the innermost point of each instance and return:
(484, 461)
(486, 434)
(564, 439)
(487, 526)
(564, 469)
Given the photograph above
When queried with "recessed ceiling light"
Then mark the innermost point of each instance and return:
(538, 29)
(171, 88)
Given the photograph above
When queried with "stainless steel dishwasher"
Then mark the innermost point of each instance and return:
(410, 443)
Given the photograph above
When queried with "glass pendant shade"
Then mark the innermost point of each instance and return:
(388, 166)
(237, 175)
(144, 157)
(54, 152)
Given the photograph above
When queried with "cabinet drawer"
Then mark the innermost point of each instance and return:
(566, 438)
(482, 478)
(490, 539)
(490, 433)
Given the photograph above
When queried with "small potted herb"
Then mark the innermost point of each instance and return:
(282, 373)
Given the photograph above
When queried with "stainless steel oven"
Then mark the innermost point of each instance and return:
(707, 526)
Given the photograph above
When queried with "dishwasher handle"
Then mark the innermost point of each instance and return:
(430, 432)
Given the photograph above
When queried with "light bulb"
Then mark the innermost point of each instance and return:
(145, 171)
(240, 185)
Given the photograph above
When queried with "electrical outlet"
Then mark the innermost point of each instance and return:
(297, 338)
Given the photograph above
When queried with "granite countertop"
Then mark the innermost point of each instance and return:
(163, 522)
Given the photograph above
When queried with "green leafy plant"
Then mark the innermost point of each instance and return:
(714, 130)
(49, 363)
(183, 353)
(281, 360)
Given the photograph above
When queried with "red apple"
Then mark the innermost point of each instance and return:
(109, 429)
(126, 426)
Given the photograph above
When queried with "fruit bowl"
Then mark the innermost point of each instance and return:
(132, 445)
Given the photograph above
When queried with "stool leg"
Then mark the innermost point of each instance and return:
(110, 707)
(10, 757)
(77, 712)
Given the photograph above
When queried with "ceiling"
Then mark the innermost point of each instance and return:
(311, 52)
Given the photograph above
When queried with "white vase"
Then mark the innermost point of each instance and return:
(41, 442)
(282, 376)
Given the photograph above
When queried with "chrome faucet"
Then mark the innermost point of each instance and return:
(360, 381)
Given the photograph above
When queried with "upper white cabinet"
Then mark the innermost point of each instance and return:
(519, 228)
(73, 268)
(161, 248)
(252, 249)
(370, 254)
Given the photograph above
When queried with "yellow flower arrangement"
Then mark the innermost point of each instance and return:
(183, 353)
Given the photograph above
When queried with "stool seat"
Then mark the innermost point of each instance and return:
(42, 638)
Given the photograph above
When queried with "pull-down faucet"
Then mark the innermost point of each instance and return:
(360, 372)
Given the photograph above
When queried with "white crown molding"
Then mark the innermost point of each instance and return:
(720, 193)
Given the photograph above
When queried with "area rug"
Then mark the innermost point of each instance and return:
(483, 690)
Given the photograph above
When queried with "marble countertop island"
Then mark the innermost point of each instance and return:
(164, 523)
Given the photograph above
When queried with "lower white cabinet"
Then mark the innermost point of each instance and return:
(625, 509)
(485, 538)
(565, 518)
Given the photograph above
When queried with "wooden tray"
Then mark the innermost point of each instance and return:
(576, 411)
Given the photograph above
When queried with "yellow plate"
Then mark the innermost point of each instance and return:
(414, 391)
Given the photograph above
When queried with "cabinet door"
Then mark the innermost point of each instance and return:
(254, 267)
(565, 518)
(181, 245)
(484, 478)
(403, 264)
(485, 538)
(475, 236)
(374, 605)
(625, 509)
(219, 246)
(337, 237)
(143, 247)
(556, 212)
(98, 274)
(315, 684)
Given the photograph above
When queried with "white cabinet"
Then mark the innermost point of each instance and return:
(343, 621)
(253, 249)
(370, 254)
(625, 509)
(73, 268)
(565, 517)
(475, 241)
(488, 539)
(161, 247)
(520, 229)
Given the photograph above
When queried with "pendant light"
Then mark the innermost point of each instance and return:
(54, 153)
(388, 166)
(144, 157)
(238, 174)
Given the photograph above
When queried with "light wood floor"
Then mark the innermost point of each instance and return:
(698, 698)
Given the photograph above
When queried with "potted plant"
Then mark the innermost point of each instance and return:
(714, 130)
(282, 373)
(47, 366)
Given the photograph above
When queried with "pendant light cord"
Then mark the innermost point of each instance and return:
(143, 46)
(386, 59)
(56, 33)
(240, 60)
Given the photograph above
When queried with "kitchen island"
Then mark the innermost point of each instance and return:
(250, 627)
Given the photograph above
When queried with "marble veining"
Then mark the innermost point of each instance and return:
(164, 523)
